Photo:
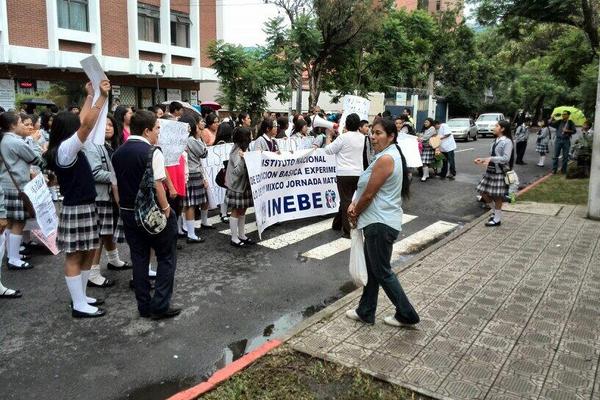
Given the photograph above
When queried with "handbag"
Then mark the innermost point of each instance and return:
(147, 213)
(510, 177)
(27, 205)
(220, 178)
(358, 264)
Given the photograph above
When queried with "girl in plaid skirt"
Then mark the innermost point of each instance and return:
(78, 223)
(492, 186)
(541, 144)
(16, 160)
(107, 209)
(197, 185)
(238, 194)
(5, 293)
(428, 153)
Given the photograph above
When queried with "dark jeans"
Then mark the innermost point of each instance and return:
(165, 247)
(346, 188)
(379, 240)
(521, 146)
(448, 159)
(564, 145)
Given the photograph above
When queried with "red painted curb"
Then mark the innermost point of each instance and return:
(534, 184)
(226, 372)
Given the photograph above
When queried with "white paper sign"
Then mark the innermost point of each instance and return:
(291, 186)
(172, 140)
(295, 143)
(45, 213)
(212, 165)
(354, 105)
(7, 94)
(410, 148)
(400, 98)
(95, 74)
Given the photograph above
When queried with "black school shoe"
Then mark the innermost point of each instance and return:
(79, 314)
(113, 267)
(170, 313)
(493, 223)
(24, 265)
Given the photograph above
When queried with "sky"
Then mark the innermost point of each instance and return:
(243, 20)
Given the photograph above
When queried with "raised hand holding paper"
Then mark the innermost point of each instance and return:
(96, 75)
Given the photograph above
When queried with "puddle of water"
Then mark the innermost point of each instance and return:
(161, 390)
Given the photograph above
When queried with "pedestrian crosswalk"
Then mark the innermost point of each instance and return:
(323, 251)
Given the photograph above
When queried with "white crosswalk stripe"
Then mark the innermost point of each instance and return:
(413, 242)
(217, 219)
(296, 235)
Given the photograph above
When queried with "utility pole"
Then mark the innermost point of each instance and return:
(594, 191)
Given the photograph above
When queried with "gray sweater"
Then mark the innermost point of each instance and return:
(101, 165)
(2, 205)
(19, 156)
(236, 177)
(504, 149)
(196, 150)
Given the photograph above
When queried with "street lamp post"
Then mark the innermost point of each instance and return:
(158, 73)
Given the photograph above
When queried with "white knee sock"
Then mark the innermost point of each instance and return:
(242, 227)
(204, 216)
(233, 225)
(113, 258)
(425, 171)
(85, 276)
(78, 295)
(2, 287)
(14, 246)
(223, 209)
(497, 215)
(190, 226)
(542, 160)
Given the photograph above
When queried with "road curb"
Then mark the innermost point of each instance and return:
(534, 184)
(226, 372)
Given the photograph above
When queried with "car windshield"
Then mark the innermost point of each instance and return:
(488, 118)
(459, 123)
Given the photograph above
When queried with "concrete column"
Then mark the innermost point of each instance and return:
(165, 34)
(594, 192)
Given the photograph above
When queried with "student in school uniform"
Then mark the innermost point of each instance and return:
(266, 139)
(492, 186)
(238, 194)
(78, 224)
(195, 195)
(428, 153)
(16, 161)
(5, 293)
(542, 141)
(107, 208)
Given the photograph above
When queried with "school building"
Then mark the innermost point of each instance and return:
(151, 50)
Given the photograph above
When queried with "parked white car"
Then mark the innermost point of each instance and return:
(486, 123)
(463, 128)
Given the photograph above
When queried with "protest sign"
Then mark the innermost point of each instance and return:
(95, 74)
(295, 143)
(354, 105)
(45, 213)
(48, 241)
(212, 165)
(410, 149)
(172, 140)
(291, 186)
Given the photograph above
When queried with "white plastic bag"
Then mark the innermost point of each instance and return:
(358, 265)
(212, 201)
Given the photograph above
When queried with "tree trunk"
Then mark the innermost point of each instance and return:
(590, 27)
(314, 81)
(539, 109)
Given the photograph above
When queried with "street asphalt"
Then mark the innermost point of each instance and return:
(233, 300)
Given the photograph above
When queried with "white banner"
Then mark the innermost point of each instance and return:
(95, 74)
(295, 143)
(45, 213)
(212, 165)
(291, 186)
(357, 105)
(173, 140)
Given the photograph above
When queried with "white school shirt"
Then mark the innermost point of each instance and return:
(158, 160)
(447, 144)
(348, 150)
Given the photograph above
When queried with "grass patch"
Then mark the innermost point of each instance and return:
(285, 374)
(557, 189)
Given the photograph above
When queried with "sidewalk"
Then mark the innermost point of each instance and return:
(507, 313)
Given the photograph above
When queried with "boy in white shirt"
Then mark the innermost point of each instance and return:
(447, 148)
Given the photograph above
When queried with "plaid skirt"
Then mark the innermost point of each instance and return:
(542, 148)
(428, 154)
(109, 221)
(493, 184)
(14, 205)
(239, 199)
(78, 228)
(195, 192)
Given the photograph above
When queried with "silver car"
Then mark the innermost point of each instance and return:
(463, 128)
(486, 123)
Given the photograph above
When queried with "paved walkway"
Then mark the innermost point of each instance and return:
(507, 313)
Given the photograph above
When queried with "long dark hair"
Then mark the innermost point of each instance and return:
(191, 121)
(224, 132)
(298, 126)
(64, 125)
(119, 115)
(505, 125)
(265, 125)
(117, 139)
(7, 120)
(242, 137)
(431, 124)
(241, 117)
(389, 126)
(45, 122)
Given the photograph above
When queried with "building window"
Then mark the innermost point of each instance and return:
(438, 5)
(180, 29)
(73, 14)
(423, 5)
(148, 23)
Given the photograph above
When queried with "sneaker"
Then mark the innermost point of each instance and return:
(351, 314)
(392, 321)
